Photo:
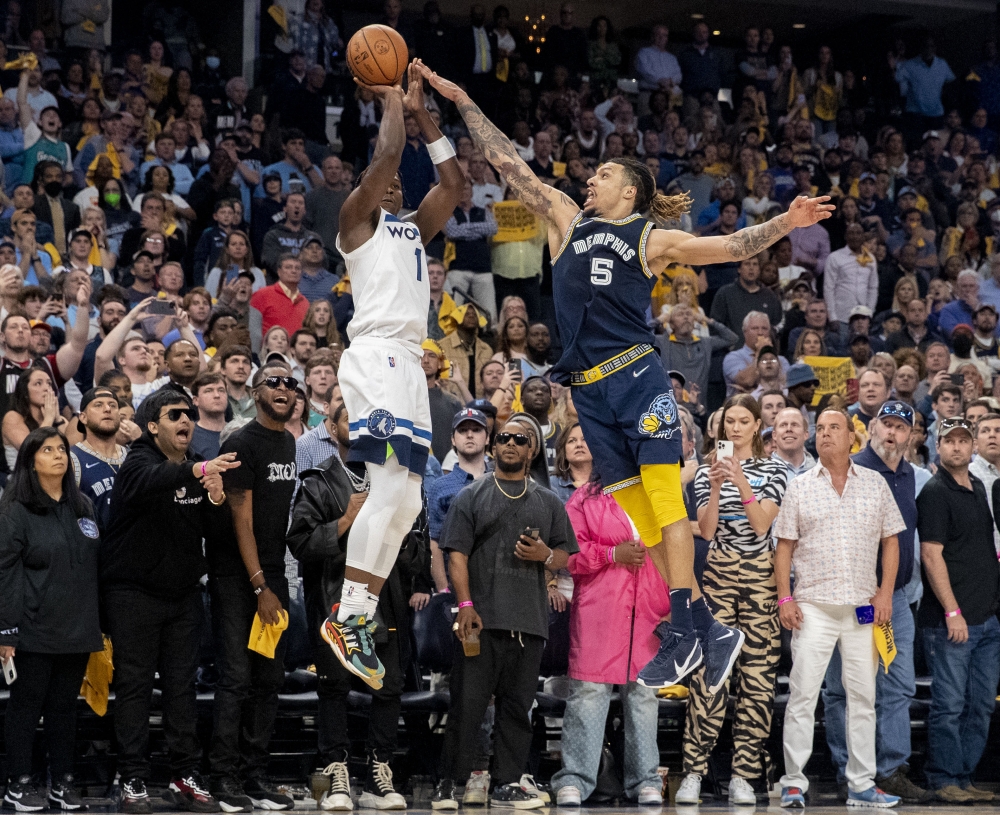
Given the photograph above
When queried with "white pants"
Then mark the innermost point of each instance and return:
(823, 628)
(479, 286)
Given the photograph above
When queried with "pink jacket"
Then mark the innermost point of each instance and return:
(615, 608)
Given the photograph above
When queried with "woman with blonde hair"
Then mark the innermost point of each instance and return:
(964, 239)
(905, 290)
(685, 289)
(319, 319)
(809, 344)
(884, 362)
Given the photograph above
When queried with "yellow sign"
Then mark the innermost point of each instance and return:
(832, 373)
(885, 644)
(514, 222)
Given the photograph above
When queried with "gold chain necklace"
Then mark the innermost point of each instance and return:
(512, 497)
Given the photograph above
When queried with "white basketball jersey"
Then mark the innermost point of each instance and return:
(389, 284)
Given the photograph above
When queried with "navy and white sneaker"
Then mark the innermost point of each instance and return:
(792, 798)
(722, 647)
(678, 656)
(872, 797)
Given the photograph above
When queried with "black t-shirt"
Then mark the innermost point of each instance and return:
(484, 524)
(960, 520)
(443, 409)
(267, 469)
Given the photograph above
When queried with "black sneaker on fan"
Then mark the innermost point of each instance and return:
(379, 792)
(266, 796)
(133, 798)
(231, 797)
(63, 795)
(22, 795)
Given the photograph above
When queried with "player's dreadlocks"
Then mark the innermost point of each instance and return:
(662, 208)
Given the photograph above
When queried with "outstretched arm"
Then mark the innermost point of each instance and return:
(357, 214)
(439, 204)
(541, 199)
(679, 247)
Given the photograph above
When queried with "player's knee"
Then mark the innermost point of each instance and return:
(662, 483)
(413, 500)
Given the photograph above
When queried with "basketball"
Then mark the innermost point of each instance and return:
(377, 55)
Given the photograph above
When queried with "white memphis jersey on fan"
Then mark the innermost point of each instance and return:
(389, 284)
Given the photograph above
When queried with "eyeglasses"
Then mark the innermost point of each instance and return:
(897, 409)
(290, 382)
(518, 438)
(154, 240)
(174, 414)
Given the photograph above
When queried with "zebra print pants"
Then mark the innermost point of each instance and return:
(742, 594)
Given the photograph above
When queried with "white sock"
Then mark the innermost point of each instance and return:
(370, 605)
(352, 600)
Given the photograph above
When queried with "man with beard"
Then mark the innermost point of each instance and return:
(889, 437)
(247, 577)
(503, 532)
(112, 306)
(152, 567)
(98, 457)
(41, 339)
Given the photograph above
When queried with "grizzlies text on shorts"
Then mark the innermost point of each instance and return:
(601, 285)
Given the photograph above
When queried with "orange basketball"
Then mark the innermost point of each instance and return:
(377, 55)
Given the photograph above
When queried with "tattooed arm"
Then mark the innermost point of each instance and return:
(679, 247)
(541, 199)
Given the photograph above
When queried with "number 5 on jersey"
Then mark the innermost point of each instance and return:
(600, 271)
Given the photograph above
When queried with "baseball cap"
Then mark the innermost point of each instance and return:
(96, 393)
(900, 410)
(247, 274)
(860, 311)
(678, 376)
(985, 306)
(800, 374)
(33, 324)
(313, 239)
(80, 232)
(270, 177)
(948, 426)
(469, 415)
(867, 177)
(860, 338)
(766, 433)
(142, 252)
(767, 349)
(931, 134)
(907, 191)
(485, 406)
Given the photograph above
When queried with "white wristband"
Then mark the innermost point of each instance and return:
(441, 150)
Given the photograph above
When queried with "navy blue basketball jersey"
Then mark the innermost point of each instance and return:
(601, 286)
(96, 478)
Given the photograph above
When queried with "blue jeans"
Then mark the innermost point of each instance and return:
(583, 737)
(893, 692)
(963, 694)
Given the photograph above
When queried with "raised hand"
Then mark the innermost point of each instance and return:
(413, 99)
(381, 90)
(808, 211)
(445, 87)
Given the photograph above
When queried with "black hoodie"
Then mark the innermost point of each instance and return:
(158, 517)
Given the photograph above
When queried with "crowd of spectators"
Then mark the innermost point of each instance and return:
(173, 310)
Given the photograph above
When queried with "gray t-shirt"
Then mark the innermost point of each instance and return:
(484, 524)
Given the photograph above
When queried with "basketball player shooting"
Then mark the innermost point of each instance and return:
(605, 262)
(381, 380)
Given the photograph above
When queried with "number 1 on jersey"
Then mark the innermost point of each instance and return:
(418, 253)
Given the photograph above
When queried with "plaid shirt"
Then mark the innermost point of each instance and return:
(307, 40)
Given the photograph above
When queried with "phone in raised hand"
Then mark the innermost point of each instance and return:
(723, 449)
(9, 671)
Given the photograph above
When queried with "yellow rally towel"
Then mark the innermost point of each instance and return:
(97, 679)
(885, 642)
(277, 13)
(450, 320)
(434, 348)
(27, 61)
(673, 692)
(264, 638)
(342, 286)
(449, 254)
(515, 405)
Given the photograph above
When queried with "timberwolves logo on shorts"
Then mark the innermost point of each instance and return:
(660, 420)
(381, 424)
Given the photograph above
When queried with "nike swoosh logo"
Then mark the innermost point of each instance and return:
(88, 466)
(637, 374)
(725, 636)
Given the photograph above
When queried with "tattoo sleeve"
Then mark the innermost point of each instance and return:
(752, 239)
(501, 154)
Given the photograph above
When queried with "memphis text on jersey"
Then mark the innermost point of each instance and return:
(608, 240)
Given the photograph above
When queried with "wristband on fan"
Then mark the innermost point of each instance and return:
(203, 465)
(784, 600)
(441, 150)
(611, 554)
(956, 613)
(750, 500)
(465, 604)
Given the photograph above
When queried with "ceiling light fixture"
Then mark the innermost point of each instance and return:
(798, 25)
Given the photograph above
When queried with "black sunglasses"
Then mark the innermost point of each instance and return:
(174, 414)
(518, 438)
(290, 382)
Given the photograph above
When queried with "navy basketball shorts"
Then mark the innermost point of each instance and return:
(629, 419)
